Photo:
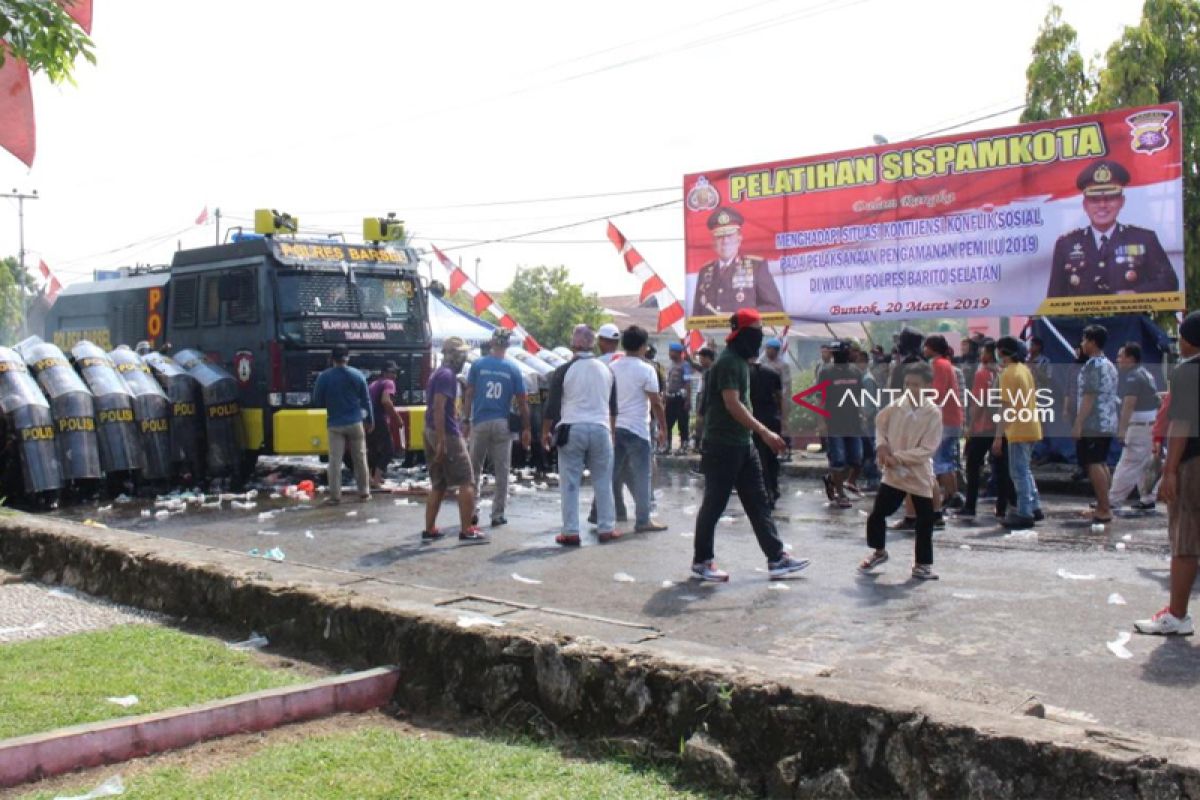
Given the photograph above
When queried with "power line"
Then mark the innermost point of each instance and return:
(501, 239)
(528, 201)
(970, 122)
(641, 240)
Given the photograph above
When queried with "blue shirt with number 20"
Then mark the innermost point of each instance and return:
(495, 381)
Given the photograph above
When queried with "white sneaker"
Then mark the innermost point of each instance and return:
(1164, 623)
(707, 571)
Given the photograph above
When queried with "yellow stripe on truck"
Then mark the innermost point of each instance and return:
(252, 429)
(300, 432)
(414, 426)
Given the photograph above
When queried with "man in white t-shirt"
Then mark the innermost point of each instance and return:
(607, 340)
(637, 395)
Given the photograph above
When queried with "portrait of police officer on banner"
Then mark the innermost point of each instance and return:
(1108, 257)
(733, 280)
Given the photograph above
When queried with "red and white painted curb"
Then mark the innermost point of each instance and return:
(43, 755)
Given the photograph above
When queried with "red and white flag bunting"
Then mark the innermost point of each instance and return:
(53, 285)
(202, 217)
(482, 301)
(670, 310)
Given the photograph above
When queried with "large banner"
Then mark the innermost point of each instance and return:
(1078, 216)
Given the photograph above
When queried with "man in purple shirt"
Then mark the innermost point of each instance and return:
(445, 448)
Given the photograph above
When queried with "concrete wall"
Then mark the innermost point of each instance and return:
(735, 727)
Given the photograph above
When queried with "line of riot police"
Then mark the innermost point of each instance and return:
(75, 426)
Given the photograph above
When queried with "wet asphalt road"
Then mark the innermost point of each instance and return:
(1012, 616)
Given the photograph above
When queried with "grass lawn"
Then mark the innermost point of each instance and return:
(377, 762)
(52, 683)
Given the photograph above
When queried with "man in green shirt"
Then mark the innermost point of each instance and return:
(730, 460)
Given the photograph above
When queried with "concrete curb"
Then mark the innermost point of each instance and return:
(763, 724)
(45, 755)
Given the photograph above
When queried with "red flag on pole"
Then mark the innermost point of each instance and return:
(482, 301)
(81, 12)
(202, 217)
(18, 133)
(53, 285)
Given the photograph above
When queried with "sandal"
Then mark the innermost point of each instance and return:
(1091, 515)
(567, 539)
(872, 561)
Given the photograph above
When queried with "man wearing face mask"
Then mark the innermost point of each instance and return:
(730, 460)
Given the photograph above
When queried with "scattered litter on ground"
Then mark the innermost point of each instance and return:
(964, 547)
(1071, 576)
(268, 533)
(1120, 545)
(478, 621)
(623, 577)
(727, 520)
(309, 535)
(522, 579)
(1028, 536)
(485, 503)
(104, 509)
(162, 514)
(124, 702)
(668, 584)
(146, 513)
(264, 516)
(372, 520)
(688, 534)
(689, 510)
(351, 513)
(274, 554)
(1117, 646)
(799, 492)
(122, 499)
(112, 787)
(240, 506)
(256, 642)
(404, 501)
(689, 598)
(778, 587)
(1115, 599)
(1097, 527)
(91, 523)
(1127, 537)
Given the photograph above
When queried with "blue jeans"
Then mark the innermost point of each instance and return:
(1019, 454)
(844, 451)
(631, 466)
(588, 443)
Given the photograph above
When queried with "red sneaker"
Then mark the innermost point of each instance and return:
(609, 536)
(567, 539)
(473, 535)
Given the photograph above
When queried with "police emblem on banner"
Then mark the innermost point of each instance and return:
(1149, 130)
(703, 196)
(243, 366)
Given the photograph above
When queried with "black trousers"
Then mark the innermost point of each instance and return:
(887, 500)
(725, 468)
(770, 468)
(1006, 492)
(677, 415)
(978, 448)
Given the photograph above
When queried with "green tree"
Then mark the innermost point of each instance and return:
(549, 304)
(1155, 61)
(42, 33)
(1058, 82)
(12, 305)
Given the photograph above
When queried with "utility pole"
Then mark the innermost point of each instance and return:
(218, 216)
(21, 197)
(477, 260)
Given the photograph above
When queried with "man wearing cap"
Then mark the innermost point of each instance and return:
(730, 460)
(493, 383)
(1108, 257)
(581, 411)
(342, 391)
(1180, 487)
(733, 281)
(679, 396)
(607, 339)
(446, 450)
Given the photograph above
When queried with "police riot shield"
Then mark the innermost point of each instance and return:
(552, 358)
(151, 410)
(30, 425)
(116, 428)
(222, 412)
(186, 408)
(71, 405)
